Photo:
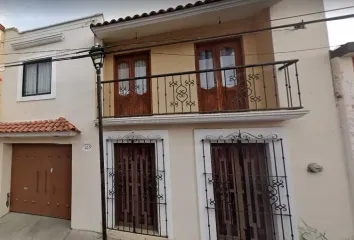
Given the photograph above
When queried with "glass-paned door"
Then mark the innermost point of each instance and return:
(221, 90)
(133, 97)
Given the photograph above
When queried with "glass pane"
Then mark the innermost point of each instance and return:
(30, 79)
(123, 73)
(227, 59)
(206, 62)
(44, 77)
(140, 71)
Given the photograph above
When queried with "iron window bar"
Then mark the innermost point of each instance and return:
(246, 187)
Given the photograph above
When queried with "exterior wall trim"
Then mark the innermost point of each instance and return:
(277, 115)
(108, 136)
(53, 85)
(40, 134)
(201, 134)
(38, 41)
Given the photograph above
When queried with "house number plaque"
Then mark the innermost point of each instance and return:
(86, 147)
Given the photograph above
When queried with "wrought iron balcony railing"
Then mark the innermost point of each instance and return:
(268, 86)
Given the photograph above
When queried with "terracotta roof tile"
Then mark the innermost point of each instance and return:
(57, 125)
(154, 13)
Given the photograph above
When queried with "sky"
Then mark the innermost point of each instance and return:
(29, 14)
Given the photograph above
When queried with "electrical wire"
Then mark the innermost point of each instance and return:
(129, 44)
(303, 23)
(254, 54)
(269, 21)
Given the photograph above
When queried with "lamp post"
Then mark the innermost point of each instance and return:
(97, 56)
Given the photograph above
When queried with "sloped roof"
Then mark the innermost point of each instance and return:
(154, 13)
(57, 125)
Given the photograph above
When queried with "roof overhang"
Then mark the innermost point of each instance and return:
(346, 50)
(207, 14)
(38, 134)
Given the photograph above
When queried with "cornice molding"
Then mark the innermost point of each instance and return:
(256, 116)
(38, 41)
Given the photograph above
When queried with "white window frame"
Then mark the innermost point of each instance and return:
(266, 133)
(161, 149)
(53, 85)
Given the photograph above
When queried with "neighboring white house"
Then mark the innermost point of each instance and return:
(218, 142)
(62, 177)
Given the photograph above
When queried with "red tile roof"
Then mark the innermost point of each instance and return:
(57, 125)
(154, 13)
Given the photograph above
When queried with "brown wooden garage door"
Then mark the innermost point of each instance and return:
(41, 180)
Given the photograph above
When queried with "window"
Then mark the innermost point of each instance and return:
(243, 185)
(137, 183)
(37, 77)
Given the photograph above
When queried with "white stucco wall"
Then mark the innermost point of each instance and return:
(321, 200)
(343, 79)
(74, 100)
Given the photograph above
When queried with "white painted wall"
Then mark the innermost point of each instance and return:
(74, 100)
(321, 200)
(343, 82)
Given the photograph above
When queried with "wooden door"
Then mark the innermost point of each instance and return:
(135, 182)
(242, 205)
(133, 97)
(222, 90)
(41, 180)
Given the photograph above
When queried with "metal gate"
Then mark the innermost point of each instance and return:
(246, 188)
(136, 186)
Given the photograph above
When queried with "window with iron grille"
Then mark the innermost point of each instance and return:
(136, 184)
(246, 193)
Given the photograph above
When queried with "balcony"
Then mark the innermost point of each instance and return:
(256, 92)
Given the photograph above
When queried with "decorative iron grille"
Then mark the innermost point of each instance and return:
(246, 188)
(136, 185)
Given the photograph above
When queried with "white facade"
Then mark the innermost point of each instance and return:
(321, 200)
(72, 97)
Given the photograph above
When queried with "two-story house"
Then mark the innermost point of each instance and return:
(213, 130)
(48, 146)
(216, 126)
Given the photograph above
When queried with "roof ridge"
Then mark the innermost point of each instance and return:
(154, 13)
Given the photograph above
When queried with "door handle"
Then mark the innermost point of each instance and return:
(45, 182)
(37, 181)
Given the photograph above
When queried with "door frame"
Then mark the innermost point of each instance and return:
(131, 56)
(203, 137)
(237, 43)
(160, 136)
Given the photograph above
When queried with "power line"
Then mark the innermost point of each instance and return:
(295, 25)
(44, 51)
(253, 54)
(87, 49)
(272, 20)
(313, 13)
(208, 38)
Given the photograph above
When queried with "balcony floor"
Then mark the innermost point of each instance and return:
(249, 116)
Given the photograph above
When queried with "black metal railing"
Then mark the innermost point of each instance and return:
(136, 185)
(246, 188)
(268, 86)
